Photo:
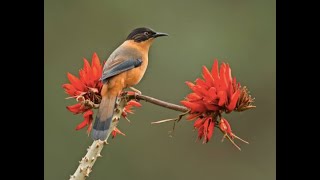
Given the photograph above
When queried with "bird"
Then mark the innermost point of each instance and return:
(124, 68)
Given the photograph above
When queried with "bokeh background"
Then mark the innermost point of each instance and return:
(242, 33)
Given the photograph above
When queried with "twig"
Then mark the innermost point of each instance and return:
(165, 120)
(161, 103)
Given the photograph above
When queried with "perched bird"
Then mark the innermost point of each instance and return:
(124, 68)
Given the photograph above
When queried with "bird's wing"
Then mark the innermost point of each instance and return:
(119, 65)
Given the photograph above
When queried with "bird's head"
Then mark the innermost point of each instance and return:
(144, 36)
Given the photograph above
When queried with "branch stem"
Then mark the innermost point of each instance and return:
(87, 162)
(161, 103)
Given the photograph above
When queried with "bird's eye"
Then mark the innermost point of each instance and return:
(146, 33)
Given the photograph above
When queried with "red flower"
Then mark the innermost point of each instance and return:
(205, 128)
(216, 93)
(115, 132)
(88, 82)
(87, 121)
(225, 127)
(86, 89)
(127, 109)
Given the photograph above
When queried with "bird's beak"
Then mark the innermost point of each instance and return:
(158, 34)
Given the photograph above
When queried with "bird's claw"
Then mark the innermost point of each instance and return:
(136, 90)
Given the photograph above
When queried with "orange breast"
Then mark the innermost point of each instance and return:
(134, 76)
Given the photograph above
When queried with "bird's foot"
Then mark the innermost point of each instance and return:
(135, 90)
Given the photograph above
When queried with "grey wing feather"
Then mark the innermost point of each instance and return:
(118, 68)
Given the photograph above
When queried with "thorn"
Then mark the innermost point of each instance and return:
(81, 169)
(79, 162)
(99, 155)
(114, 119)
(88, 171)
(105, 142)
(72, 176)
(88, 149)
(92, 159)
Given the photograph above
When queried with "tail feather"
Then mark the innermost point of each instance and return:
(104, 118)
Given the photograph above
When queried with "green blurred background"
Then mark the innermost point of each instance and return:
(242, 33)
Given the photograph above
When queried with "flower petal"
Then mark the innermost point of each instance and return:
(205, 130)
(83, 124)
(193, 97)
(225, 126)
(134, 103)
(96, 65)
(88, 113)
(69, 89)
(212, 107)
(89, 127)
(75, 109)
(192, 116)
(130, 93)
(195, 107)
(212, 94)
(86, 66)
(233, 102)
(95, 74)
(198, 123)
(207, 76)
(76, 83)
(222, 98)
(200, 132)
(210, 130)
(215, 71)
(113, 133)
(202, 83)
(87, 73)
(223, 80)
(200, 90)
(228, 74)
(190, 84)
(124, 114)
(117, 131)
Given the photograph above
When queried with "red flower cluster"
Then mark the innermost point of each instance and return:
(86, 90)
(216, 93)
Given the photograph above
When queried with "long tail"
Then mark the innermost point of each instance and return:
(104, 117)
